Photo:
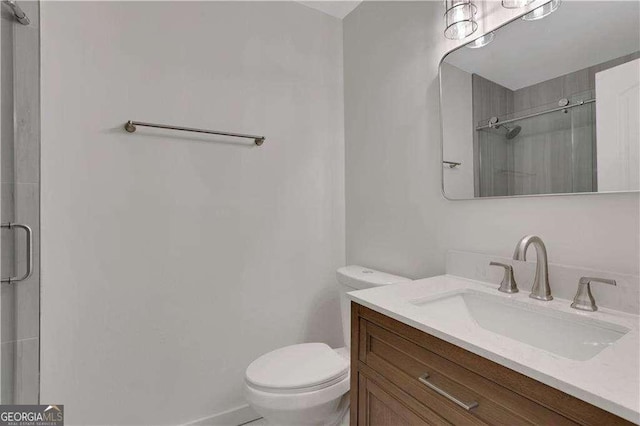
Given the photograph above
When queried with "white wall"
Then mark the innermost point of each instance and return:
(457, 127)
(397, 218)
(171, 261)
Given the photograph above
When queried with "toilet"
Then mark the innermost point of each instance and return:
(308, 384)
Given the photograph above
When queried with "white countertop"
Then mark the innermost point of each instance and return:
(610, 380)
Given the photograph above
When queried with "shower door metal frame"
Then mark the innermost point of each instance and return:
(20, 200)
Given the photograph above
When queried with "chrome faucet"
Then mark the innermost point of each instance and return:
(540, 289)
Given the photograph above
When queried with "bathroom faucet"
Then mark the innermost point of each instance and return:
(540, 289)
(583, 299)
(508, 284)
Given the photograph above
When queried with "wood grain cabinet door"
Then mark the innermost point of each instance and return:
(378, 408)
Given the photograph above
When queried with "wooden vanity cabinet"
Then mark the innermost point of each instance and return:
(404, 376)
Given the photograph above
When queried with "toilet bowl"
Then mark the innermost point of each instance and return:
(308, 383)
(304, 384)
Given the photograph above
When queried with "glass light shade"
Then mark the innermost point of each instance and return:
(459, 19)
(482, 41)
(542, 11)
(515, 4)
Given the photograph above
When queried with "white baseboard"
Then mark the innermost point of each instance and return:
(234, 417)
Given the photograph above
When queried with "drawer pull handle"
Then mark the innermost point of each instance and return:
(466, 406)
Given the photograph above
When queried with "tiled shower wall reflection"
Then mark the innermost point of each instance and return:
(554, 153)
(20, 203)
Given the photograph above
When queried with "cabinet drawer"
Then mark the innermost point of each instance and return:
(452, 391)
(383, 404)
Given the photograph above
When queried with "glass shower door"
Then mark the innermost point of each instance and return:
(546, 150)
(19, 204)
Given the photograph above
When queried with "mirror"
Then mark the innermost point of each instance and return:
(550, 106)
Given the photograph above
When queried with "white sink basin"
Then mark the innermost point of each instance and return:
(567, 335)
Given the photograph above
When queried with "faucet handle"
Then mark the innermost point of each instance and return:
(508, 284)
(583, 299)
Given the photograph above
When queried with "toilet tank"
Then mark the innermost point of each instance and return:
(354, 277)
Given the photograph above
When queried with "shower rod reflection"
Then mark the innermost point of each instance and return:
(130, 126)
(17, 12)
(560, 108)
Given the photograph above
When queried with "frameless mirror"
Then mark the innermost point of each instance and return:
(549, 106)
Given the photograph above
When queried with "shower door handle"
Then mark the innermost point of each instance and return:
(29, 240)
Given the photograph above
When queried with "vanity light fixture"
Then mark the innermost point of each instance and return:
(482, 41)
(459, 17)
(542, 11)
(515, 4)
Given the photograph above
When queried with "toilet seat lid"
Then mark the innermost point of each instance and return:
(297, 367)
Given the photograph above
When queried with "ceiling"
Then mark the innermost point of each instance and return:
(336, 8)
(577, 35)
